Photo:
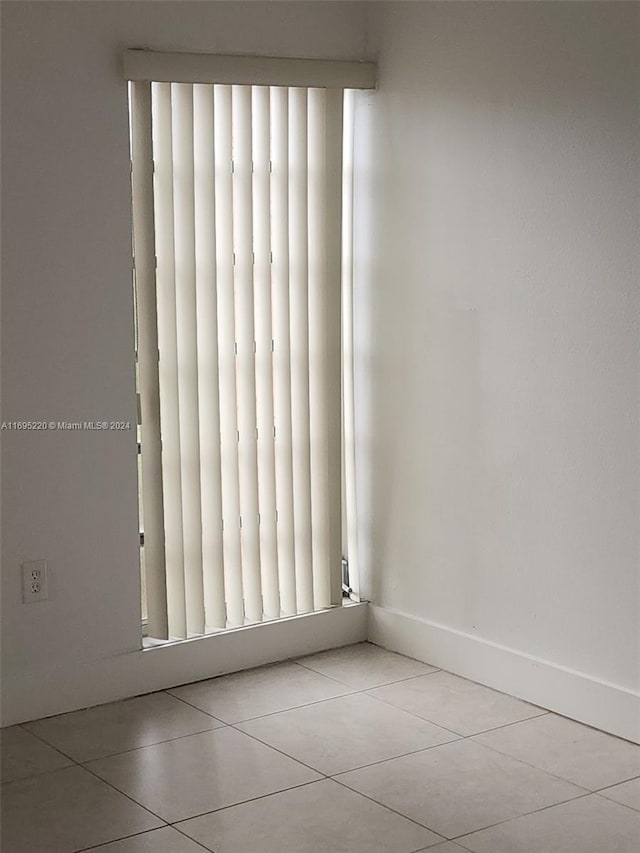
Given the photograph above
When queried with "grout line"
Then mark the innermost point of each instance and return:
(616, 802)
(323, 674)
(417, 717)
(542, 713)
(455, 839)
(62, 752)
(507, 725)
(241, 672)
(593, 728)
(192, 840)
(394, 758)
(129, 797)
(8, 786)
(244, 803)
(615, 785)
(282, 710)
(285, 754)
(274, 664)
(147, 745)
(123, 838)
(195, 707)
(296, 708)
(459, 838)
(391, 809)
(533, 766)
(493, 689)
(393, 652)
(106, 782)
(460, 844)
(40, 772)
(86, 761)
(432, 671)
(183, 737)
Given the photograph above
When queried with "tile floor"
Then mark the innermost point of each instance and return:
(357, 750)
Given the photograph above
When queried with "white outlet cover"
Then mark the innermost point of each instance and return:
(34, 581)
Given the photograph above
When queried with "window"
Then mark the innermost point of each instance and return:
(241, 179)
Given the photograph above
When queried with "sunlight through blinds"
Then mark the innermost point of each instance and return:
(240, 249)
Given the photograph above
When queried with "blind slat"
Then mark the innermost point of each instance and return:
(245, 346)
(319, 377)
(226, 356)
(168, 359)
(144, 250)
(263, 358)
(350, 513)
(207, 340)
(299, 331)
(187, 350)
(333, 343)
(281, 347)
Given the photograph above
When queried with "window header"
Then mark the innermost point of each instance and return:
(151, 65)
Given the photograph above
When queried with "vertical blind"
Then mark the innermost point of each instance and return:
(242, 228)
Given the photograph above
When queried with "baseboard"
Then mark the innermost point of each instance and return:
(88, 683)
(573, 694)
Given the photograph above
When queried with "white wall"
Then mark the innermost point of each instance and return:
(70, 497)
(498, 341)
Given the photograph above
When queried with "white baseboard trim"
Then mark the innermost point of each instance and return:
(94, 682)
(573, 694)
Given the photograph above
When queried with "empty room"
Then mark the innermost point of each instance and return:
(320, 426)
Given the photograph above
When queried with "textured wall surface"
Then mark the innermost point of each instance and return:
(498, 326)
(70, 497)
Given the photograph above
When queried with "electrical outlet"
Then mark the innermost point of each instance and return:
(34, 581)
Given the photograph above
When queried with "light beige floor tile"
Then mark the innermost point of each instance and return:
(256, 692)
(118, 726)
(588, 825)
(363, 666)
(344, 733)
(23, 755)
(582, 755)
(455, 703)
(66, 810)
(459, 787)
(319, 818)
(628, 793)
(166, 840)
(196, 774)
